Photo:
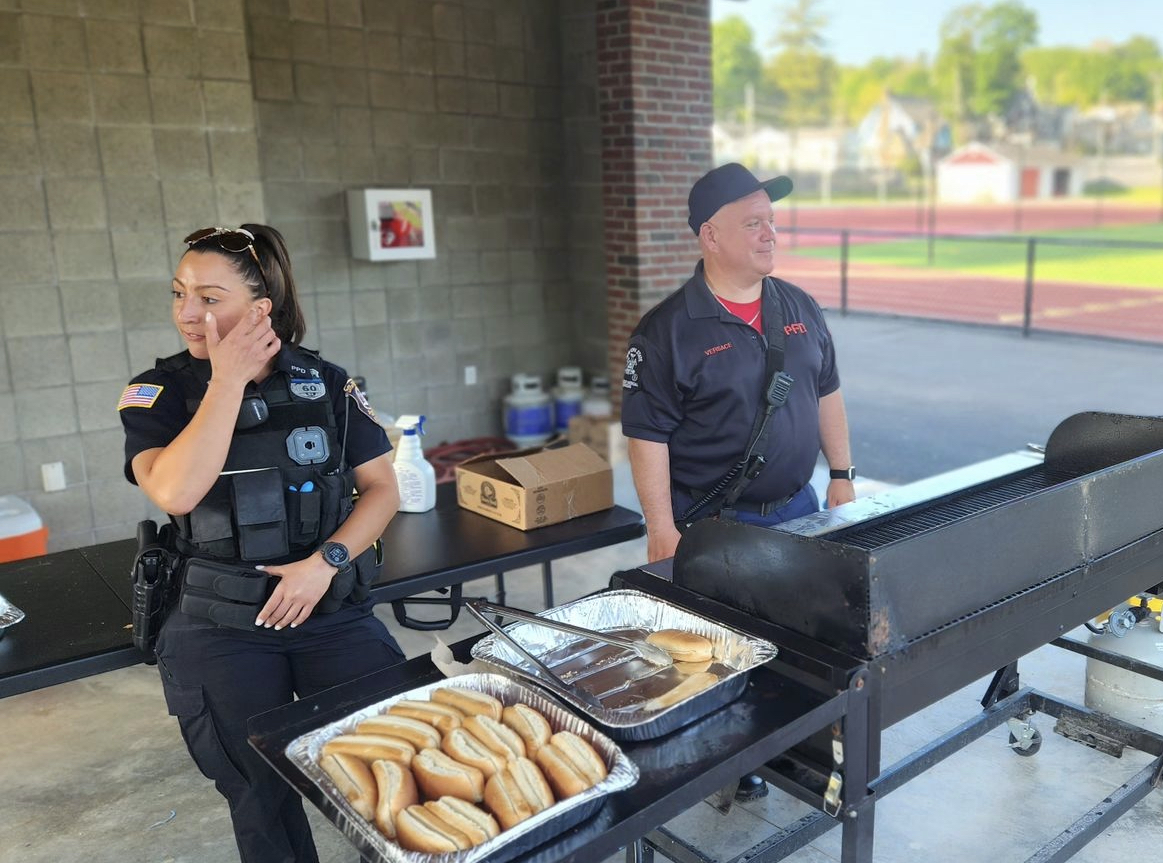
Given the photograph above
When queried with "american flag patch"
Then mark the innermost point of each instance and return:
(139, 396)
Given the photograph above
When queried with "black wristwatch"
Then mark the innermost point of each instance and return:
(849, 473)
(335, 553)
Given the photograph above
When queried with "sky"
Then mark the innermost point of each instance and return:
(859, 30)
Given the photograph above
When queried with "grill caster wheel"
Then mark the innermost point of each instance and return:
(1035, 743)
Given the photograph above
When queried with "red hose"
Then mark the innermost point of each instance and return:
(446, 456)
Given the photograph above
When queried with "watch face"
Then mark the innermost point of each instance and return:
(335, 554)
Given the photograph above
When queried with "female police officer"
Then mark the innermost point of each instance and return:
(253, 445)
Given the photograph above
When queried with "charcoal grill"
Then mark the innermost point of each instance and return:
(924, 600)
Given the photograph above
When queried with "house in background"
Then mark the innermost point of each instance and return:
(898, 130)
(1001, 173)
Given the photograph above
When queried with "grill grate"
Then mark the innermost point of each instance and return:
(909, 524)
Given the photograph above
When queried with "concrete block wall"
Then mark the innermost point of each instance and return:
(463, 97)
(123, 126)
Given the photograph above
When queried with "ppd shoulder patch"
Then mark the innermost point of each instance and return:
(361, 402)
(139, 396)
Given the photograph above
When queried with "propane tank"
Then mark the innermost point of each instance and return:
(567, 396)
(528, 412)
(1131, 630)
(597, 402)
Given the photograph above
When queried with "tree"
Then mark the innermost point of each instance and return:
(735, 64)
(954, 65)
(1003, 32)
(800, 70)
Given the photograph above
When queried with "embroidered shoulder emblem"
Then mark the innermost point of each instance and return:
(139, 396)
(361, 402)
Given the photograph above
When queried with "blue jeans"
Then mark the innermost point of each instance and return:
(803, 502)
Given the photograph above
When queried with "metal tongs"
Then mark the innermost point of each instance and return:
(644, 649)
(481, 610)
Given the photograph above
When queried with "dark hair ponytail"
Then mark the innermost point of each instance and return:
(286, 314)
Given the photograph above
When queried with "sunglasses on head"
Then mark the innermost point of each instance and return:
(235, 240)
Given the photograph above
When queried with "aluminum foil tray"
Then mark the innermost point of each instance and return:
(10, 615)
(304, 751)
(622, 682)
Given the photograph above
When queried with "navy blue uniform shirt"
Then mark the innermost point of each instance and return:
(694, 377)
(153, 419)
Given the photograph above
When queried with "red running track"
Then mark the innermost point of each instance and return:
(1100, 310)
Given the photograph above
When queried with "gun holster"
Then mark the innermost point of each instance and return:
(152, 581)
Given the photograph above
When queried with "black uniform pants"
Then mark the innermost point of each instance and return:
(216, 678)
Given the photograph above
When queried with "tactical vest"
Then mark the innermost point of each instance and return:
(285, 487)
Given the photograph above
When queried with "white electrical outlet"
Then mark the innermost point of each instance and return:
(53, 476)
(470, 376)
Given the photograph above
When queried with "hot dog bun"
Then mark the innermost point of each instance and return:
(353, 778)
(504, 799)
(396, 789)
(581, 755)
(532, 783)
(565, 779)
(693, 685)
(440, 716)
(682, 646)
(438, 775)
(419, 829)
(532, 727)
(468, 701)
(371, 747)
(475, 823)
(463, 746)
(499, 738)
(420, 734)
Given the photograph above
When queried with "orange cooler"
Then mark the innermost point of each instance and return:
(22, 533)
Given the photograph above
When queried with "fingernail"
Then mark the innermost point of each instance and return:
(268, 626)
(258, 621)
(277, 628)
(260, 567)
(293, 625)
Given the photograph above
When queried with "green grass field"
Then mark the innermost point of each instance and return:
(1081, 263)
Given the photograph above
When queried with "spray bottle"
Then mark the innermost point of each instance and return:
(414, 474)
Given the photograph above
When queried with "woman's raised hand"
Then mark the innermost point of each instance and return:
(243, 353)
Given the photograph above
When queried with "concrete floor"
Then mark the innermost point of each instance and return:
(95, 770)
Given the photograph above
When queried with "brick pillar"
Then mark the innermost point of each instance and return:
(654, 101)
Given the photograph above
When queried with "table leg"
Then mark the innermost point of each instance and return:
(547, 582)
(500, 580)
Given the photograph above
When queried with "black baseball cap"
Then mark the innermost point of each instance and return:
(725, 184)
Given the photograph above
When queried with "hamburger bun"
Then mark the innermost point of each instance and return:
(438, 775)
(468, 701)
(475, 823)
(693, 667)
(420, 734)
(354, 780)
(440, 716)
(461, 745)
(371, 747)
(396, 789)
(682, 646)
(499, 738)
(530, 725)
(419, 829)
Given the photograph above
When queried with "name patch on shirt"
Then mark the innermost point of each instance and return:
(718, 349)
(796, 329)
(139, 396)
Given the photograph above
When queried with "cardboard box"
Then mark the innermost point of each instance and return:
(602, 434)
(536, 487)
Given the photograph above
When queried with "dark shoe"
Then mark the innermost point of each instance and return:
(751, 787)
